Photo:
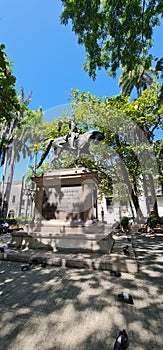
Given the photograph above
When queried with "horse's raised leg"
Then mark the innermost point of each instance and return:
(56, 156)
(77, 158)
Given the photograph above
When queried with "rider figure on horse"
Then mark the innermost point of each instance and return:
(73, 134)
(74, 139)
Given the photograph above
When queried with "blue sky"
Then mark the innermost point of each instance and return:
(45, 54)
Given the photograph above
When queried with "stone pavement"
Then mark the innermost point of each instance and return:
(57, 308)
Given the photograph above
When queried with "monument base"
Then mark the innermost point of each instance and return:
(73, 237)
(84, 243)
(66, 212)
(76, 227)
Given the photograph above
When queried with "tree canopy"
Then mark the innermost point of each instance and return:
(126, 159)
(115, 33)
(9, 102)
(128, 153)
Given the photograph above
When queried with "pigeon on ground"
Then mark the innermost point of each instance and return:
(126, 298)
(44, 263)
(2, 249)
(126, 251)
(115, 273)
(26, 267)
(121, 342)
(39, 261)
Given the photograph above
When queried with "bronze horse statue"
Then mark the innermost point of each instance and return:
(63, 143)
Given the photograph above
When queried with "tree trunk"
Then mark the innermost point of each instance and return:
(153, 192)
(26, 206)
(4, 174)
(150, 194)
(132, 193)
(11, 172)
(21, 196)
(130, 203)
(146, 194)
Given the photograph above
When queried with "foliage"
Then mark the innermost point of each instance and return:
(125, 222)
(138, 78)
(22, 134)
(152, 221)
(9, 102)
(31, 122)
(30, 173)
(22, 220)
(129, 130)
(127, 154)
(21, 128)
(112, 115)
(159, 156)
(10, 221)
(15, 128)
(114, 33)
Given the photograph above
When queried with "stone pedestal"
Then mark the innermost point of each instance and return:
(66, 210)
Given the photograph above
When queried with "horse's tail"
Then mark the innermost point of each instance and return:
(45, 153)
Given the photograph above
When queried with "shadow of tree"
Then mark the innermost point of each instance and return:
(62, 309)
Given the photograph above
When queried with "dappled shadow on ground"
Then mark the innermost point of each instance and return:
(149, 254)
(68, 309)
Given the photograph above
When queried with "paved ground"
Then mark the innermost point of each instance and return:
(68, 309)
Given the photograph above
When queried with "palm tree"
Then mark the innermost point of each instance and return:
(22, 134)
(138, 78)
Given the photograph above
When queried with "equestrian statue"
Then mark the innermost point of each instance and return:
(74, 141)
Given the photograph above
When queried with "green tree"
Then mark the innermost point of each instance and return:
(129, 128)
(115, 34)
(138, 78)
(21, 138)
(9, 102)
(159, 155)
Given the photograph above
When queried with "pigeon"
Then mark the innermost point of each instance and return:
(36, 260)
(126, 251)
(126, 298)
(121, 342)
(44, 263)
(39, 261)
(115, 273)
(26, 267)
(2, 249)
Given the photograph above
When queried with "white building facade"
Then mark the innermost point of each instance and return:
(21, 204)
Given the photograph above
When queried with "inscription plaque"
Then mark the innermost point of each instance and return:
(71, 198)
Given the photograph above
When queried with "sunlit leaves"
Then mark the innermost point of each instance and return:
(128, 126)
(8, 96)
(114, 33)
